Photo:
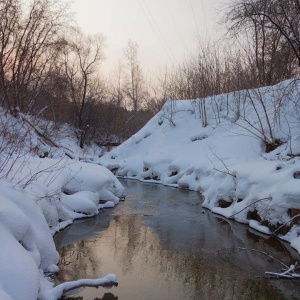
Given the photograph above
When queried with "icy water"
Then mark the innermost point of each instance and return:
(162, 245)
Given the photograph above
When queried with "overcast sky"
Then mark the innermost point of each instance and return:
(165, 30)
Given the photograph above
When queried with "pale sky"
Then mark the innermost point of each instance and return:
(166, 30)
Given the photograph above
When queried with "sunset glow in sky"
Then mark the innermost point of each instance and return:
(166, 30)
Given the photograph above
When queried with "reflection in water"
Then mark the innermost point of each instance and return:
(107, 296)
(161, 246)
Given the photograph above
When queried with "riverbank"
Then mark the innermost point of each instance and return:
(38, 198)
(240, 150)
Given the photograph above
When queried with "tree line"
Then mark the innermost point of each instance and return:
(50, 69)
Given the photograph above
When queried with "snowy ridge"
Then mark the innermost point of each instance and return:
(245, 160)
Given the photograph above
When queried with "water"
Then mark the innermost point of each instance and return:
(162, 245)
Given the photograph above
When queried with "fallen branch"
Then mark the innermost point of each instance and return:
(289, 273)
(266, 254)
(57, 292)
(40, 133)
(47, 138)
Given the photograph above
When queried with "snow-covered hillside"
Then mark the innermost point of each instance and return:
(246, 161)
(34, 136)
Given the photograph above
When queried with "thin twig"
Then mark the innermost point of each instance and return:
(266, 254)
(294, 217)
(263, 199)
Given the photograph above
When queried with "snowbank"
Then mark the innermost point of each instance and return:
(38, 198)
(26, 244)
(245, 161)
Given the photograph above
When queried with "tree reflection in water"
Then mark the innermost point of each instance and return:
(171, 252)
(107, 296)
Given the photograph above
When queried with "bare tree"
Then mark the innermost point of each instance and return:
(117, 86)
(30, 41)
(81, 59)
(134, 88)
(272, 28)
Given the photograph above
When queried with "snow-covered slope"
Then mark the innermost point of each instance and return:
(245, 161)
(34, 136)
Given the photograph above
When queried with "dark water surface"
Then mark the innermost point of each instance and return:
(162, 245)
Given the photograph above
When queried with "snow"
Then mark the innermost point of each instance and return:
(25, 246)
(46, 184)
(255, 225)
(66, 189)
(226, 160)
(38, 197)
(58, 291)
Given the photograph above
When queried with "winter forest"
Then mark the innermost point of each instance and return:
(223, 122)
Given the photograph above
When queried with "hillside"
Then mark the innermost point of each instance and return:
(240, 150)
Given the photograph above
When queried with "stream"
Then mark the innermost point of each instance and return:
(163, 245)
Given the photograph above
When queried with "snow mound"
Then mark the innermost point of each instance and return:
(38, 198)
(26, 244)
